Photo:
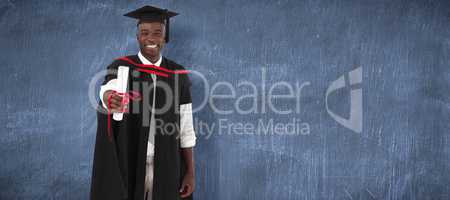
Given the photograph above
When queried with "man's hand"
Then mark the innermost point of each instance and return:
(116, 101)
(187, 186)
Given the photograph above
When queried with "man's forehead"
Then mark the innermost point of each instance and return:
(150, 25)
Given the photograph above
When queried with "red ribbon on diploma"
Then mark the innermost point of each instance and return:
(126, 97)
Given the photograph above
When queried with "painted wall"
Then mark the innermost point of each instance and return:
(52, 50)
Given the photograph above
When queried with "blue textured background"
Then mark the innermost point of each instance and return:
(52, 49)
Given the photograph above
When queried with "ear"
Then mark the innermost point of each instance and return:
(137, 34)
(137, 31)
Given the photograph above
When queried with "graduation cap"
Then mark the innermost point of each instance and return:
(150, 13)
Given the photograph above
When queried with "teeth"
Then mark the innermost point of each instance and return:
(151, 46)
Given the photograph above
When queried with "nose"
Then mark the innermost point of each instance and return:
(150, 40)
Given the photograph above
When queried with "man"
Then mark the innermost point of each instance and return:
(148, 153)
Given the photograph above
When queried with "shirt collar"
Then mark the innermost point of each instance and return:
(145, 61)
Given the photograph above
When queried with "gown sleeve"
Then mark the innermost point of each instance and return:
(187, 133)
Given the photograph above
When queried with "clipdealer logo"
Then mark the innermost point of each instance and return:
(353, 80)
(225, 98)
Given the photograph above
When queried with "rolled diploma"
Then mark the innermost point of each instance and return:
(122, 83)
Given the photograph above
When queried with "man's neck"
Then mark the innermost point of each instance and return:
(151, 59)
(146, 60)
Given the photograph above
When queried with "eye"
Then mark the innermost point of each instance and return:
(157, 34)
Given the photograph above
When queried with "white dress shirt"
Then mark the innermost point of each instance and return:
(187, 134)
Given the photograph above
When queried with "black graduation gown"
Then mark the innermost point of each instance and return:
(120, 160)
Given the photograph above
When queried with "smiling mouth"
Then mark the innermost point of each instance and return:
(153, 46)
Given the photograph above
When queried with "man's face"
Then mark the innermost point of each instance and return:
(151, 39)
